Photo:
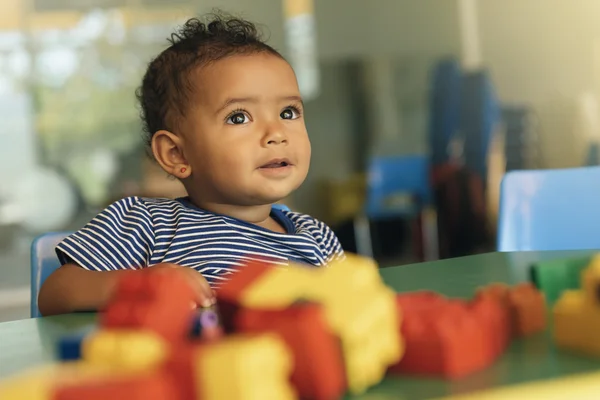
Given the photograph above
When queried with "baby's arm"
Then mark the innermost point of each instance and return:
(72, 288)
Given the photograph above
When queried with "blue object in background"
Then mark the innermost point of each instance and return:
(550, 210)
(444, 108)
(480, 113)
(43, 262)
(391, 181)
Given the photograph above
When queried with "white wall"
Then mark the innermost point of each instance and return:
(540, 52)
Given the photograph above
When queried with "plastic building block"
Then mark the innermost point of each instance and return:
(446, 337)
(577, 314)
(134, 350)
(39, 384)
(318, 365)
(526, 306)
(244, 367)
(259, 284)
(358, 307)
(155, 301)
(143, 387)
(497, 321)
(555, 276)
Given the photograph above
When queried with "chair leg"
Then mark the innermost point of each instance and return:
(362, 235)
(430, 235)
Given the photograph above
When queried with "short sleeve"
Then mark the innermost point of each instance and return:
(120, 237)
(332, 244)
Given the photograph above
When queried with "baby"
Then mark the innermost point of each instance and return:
(223, 114)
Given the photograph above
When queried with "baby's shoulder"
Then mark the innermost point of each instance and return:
(148, 206)
(305, 221)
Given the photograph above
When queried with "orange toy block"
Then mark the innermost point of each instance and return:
(143, 387)
(526, 306)
(318, 372)
(444, 337)
(157, 301)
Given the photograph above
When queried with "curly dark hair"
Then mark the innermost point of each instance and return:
(166, 89)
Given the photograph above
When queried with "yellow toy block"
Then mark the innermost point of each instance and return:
(254, 367)
(39, 383)
(362, 311)
(577, 387)
(124, 349)
(577, 314)
(280, 287)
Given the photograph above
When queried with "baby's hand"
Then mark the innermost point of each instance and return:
(205, 296)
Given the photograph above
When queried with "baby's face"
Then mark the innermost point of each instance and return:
(245, 137)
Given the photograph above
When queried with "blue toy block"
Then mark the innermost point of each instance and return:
(69, 347)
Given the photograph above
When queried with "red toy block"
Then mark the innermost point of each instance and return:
(181, 367)
(496, 318)
(525, 305)
(157, 301)
(319, 372)
(443, 337)
(229, 294)
(251, 272)
(143, 387)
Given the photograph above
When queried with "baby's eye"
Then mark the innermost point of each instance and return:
(237, 119)
(289, 113)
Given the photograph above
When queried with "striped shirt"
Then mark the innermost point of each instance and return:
(138, 232)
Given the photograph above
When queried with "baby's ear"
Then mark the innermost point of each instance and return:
(168, 151)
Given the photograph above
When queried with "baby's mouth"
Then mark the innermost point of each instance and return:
(279, 163)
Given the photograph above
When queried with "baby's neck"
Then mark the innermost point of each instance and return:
(258, 215)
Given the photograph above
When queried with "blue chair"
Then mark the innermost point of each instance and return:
(550, 210)
(43, 262)
(396, 187)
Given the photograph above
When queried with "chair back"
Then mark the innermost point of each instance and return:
(550, 210)
(44, 261)
(397, 186)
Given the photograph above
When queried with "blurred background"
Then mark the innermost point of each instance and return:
(415, 108)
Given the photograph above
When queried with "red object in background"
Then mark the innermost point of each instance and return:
(152, 300)
(319, 372)
(448, 337)
(144, 387)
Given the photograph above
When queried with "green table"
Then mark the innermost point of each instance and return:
(29, 343)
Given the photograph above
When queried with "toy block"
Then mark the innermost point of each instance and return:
(69, 347)
(525, 304)
(133, 350)
(497, 320)
(319, 372)
(528, 306)
(245, 367)
(181, 366)
(262, 285)
(362, 311)
(154, 301)
(443, 337)
(577, 315)
(39, 383)
(555, 276)
(143, 387)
